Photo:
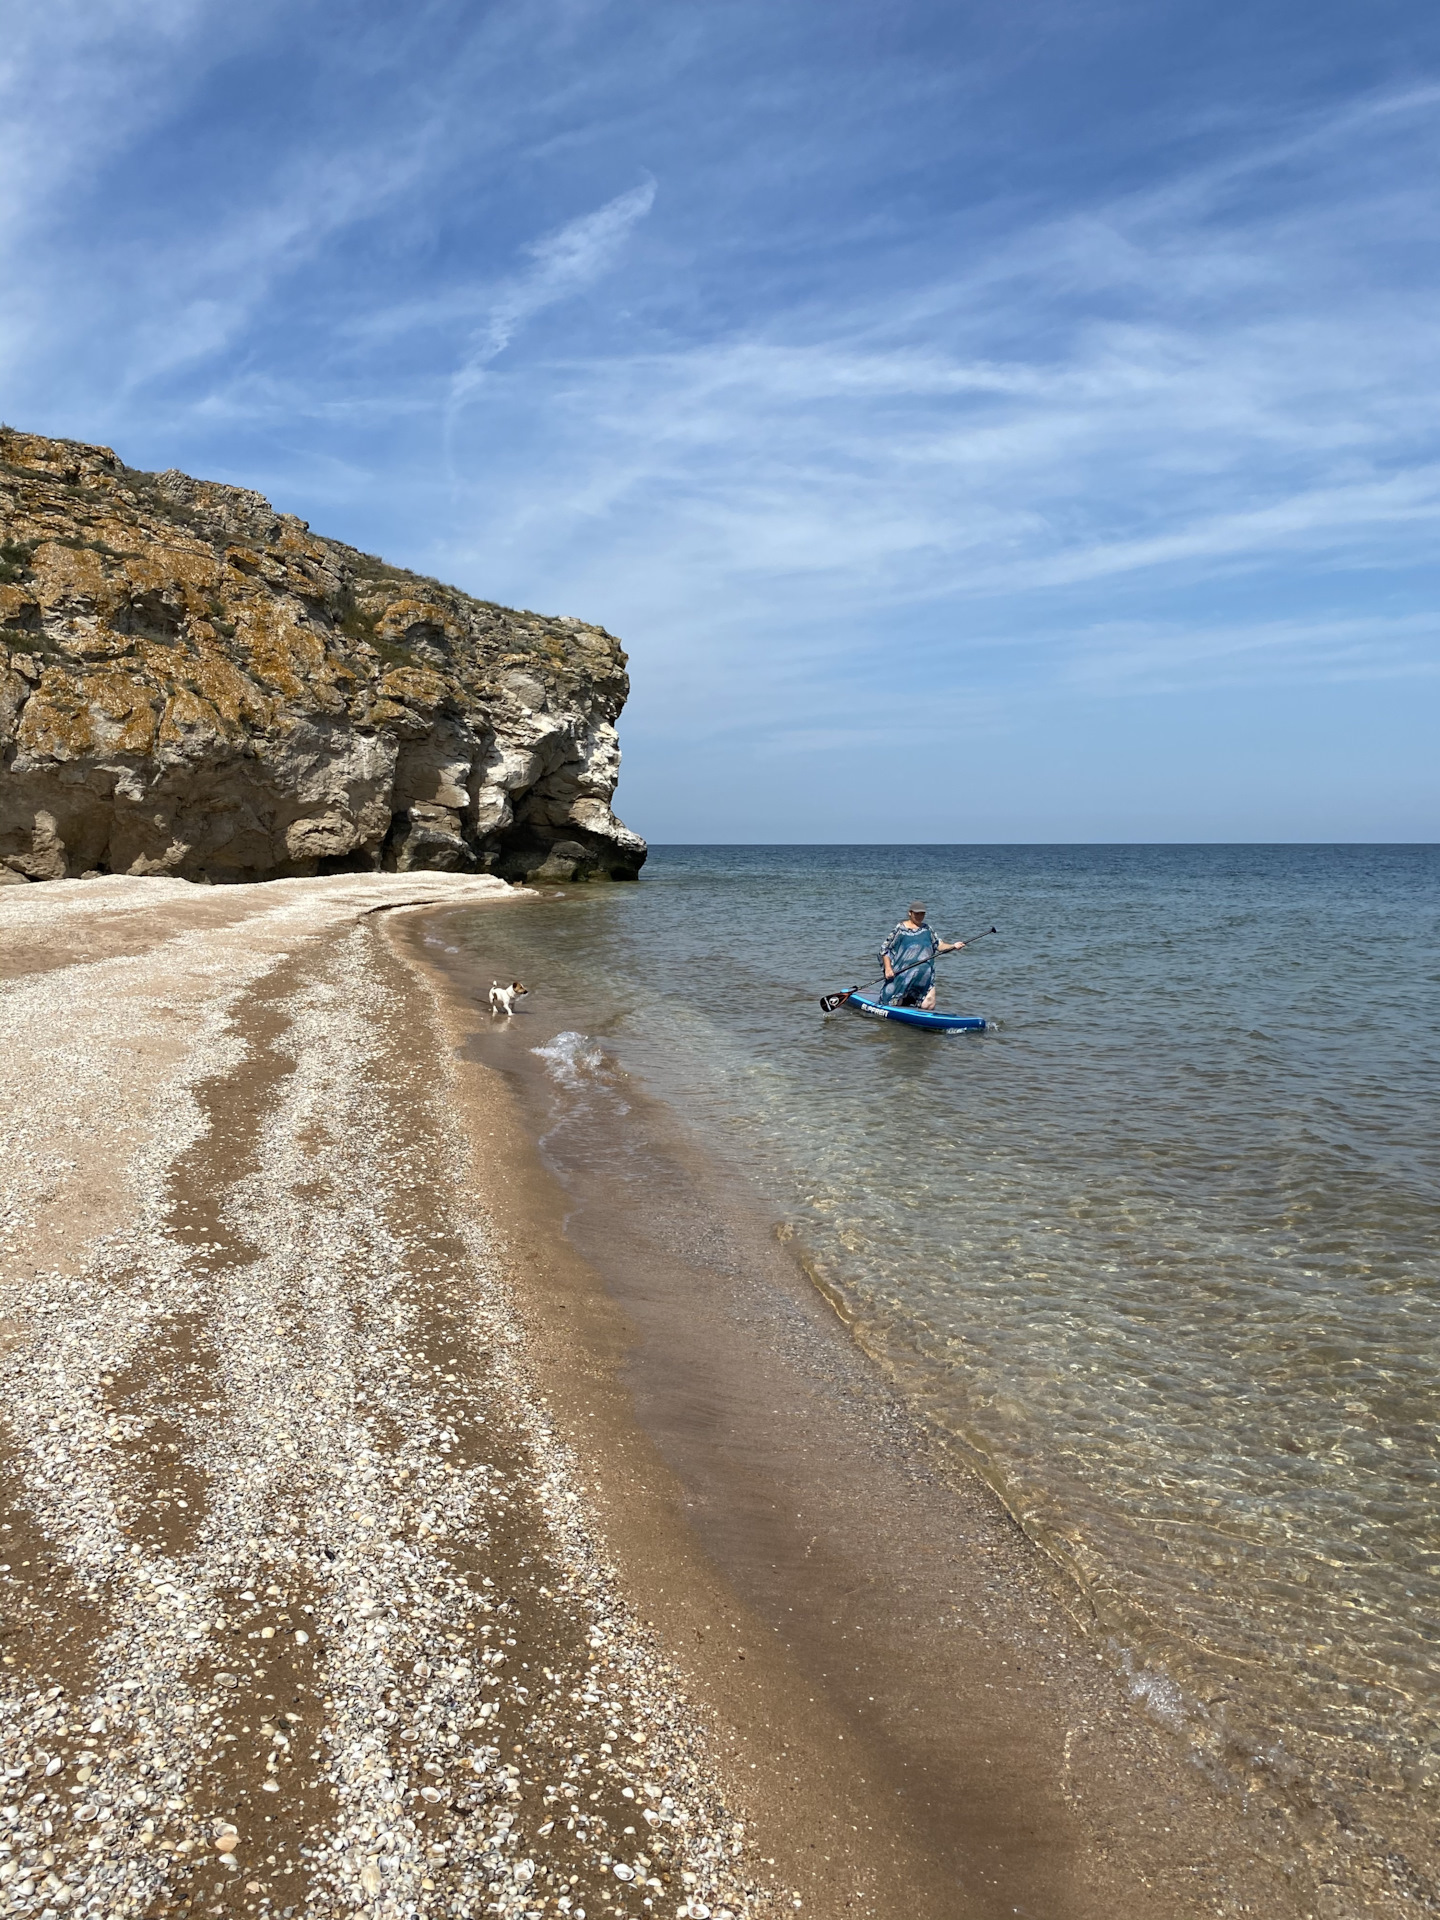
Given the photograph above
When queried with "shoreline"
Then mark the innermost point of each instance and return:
(1014, 1769)
(300, 1328)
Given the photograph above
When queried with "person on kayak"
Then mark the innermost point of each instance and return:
(908, 958)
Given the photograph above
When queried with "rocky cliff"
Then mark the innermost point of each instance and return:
(194, 684)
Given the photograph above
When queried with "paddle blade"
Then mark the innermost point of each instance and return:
(831, 1001)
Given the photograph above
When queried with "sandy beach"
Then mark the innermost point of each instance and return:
(301, 1606)
(370, 1547)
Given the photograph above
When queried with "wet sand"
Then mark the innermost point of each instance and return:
(900, 1673)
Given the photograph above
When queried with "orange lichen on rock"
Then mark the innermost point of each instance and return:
(416, 687)
(66, 719)
(74, 579)
(19, 608)
(186, 714)
(403, 618)
(283, 653)
(233, 695)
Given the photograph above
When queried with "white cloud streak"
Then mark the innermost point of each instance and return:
(563, 264)
(845, 472)
(76, 81)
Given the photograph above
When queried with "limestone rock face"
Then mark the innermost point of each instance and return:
(194, 684)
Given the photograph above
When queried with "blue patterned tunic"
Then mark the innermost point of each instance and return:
(912, 953)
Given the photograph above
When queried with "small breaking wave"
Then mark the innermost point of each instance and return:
(1154, 1690)
(572, 1059)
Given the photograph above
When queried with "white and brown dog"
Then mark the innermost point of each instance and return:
(503, 998)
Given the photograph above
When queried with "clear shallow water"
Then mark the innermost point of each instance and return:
(1159, 1250)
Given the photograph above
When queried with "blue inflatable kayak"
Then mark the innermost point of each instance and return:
(916, 1017)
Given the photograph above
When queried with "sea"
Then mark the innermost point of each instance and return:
(1156, 1252)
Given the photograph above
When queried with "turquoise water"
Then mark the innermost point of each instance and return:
(1158, 1250)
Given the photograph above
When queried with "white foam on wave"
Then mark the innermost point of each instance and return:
(1156, 1691)
(572, 1059)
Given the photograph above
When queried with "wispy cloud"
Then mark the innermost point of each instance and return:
(76, 83)
(562, 265)
(895, 455)
(1172, 658)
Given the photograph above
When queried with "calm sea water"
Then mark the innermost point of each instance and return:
(1159, 1250)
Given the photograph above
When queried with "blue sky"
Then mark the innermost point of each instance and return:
(981, 422)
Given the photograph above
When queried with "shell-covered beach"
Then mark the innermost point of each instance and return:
(303, 1607)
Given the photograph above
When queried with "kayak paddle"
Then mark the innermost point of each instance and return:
(832, 1002)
